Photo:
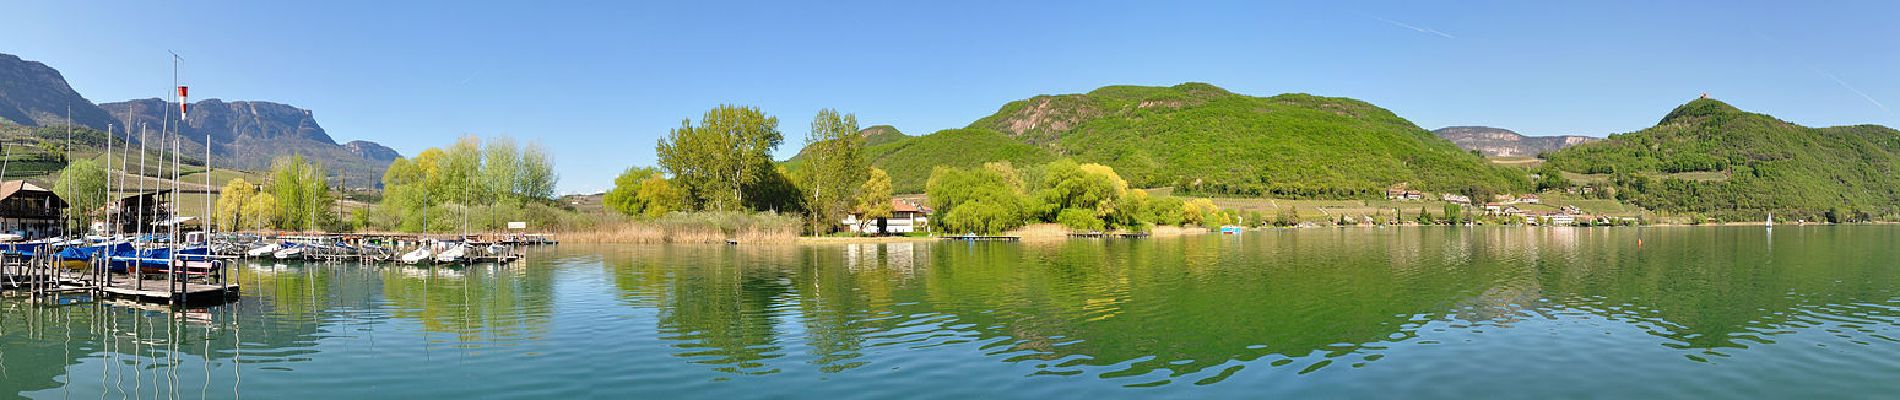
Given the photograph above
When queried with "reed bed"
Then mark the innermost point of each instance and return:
(693, 227)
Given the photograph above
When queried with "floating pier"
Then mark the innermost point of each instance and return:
(46, 277)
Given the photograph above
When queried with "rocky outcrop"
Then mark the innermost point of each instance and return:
(1497, 142)
(251, 134)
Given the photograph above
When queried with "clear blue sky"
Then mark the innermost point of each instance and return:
(599, 82)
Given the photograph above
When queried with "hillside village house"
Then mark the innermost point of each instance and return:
(28, 210)
(1401, 193)
(907, 216)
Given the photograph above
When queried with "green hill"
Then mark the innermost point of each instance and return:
(881, 134)
(1770, 165)
(911, 159)
(1201, 138)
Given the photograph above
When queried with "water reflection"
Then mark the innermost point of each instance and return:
(1199, 311)
(1206, 307)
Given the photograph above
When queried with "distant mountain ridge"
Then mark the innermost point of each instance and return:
(1499, 142)
(251, 134)
(34, 94)
(244, 134)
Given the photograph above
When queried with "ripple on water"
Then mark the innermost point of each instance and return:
(1408, 312)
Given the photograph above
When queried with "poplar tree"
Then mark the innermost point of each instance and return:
(834, 153)
(716, 160)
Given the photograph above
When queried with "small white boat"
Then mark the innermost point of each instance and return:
(289, 253)
(417, 256)
(453, 254)
(260, 251)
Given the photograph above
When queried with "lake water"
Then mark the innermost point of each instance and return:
(1797, 312)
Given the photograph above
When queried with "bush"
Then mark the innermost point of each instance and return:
(1080, 220)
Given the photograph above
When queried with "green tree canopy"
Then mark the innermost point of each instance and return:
(835, 168)
(83, 185)
(718, 160)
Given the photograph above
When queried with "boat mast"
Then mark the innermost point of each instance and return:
(125, 158)
(66, 156)
(108, 176)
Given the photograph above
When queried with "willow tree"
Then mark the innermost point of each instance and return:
(231, 200)
(626, 196)
(835, 168)
(717, 159)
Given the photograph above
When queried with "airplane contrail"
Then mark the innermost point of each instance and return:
(1416, 28)
(470, 77)
(1850, 88)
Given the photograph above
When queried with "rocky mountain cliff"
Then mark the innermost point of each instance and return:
(244, 134)
(251, 134)
(1499, 142)
(34, 94)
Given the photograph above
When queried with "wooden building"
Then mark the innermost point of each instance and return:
(29, 211)
(138, 212)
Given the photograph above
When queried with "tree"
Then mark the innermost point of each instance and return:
(83, 185)
(1080, 220)
(1454, 214)
(1551, 178)
(642, 192)
(1135, 212)
(1169, 210)
(1091, 187)
(260, 209)
(718, 159)
(492, 182)
(301, 192)
(624, 197)
(982, 200)
(874, 198)
(231, 201)
(501, 169)
(537, 178)
(1201, 212)
(658, 196)
(836, 168)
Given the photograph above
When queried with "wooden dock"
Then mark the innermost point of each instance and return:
(1124, 235)
(47, 282)
(984, 238)
(152, 290)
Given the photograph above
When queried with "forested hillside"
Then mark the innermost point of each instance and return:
(1202, 139)
(1764, 165)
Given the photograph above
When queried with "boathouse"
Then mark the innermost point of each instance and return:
(29, 211)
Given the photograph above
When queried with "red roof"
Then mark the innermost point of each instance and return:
(901, 205)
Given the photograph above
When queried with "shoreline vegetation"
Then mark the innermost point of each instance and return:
(715, 180)
(650, 234)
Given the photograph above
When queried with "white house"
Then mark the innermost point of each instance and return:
(907, 216)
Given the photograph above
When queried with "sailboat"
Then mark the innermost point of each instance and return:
(456, 252)
(417, 256)
(1771, 221)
